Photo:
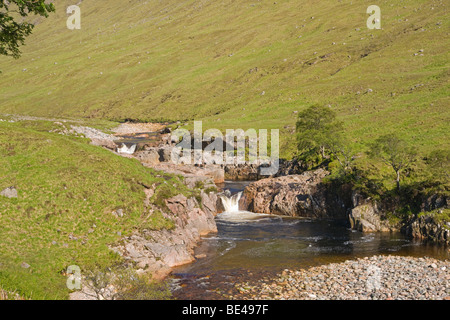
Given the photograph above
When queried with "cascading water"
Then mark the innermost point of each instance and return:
(232, 212)
(231, 203)
(125, 149)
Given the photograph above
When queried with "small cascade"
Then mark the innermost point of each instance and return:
(232, 212)
(125, 149)
(231, 203)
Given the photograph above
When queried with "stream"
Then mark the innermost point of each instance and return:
(249, 246)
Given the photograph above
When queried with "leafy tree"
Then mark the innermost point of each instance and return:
(438, 164)
(318, 134)
(13, 27)
(341, 150)
(394, 152)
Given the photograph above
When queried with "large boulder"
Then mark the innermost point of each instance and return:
(187, 213)
(435, 201)
(10, 192)
(301, 195)
(149, 157)
(367, 216)
(215, 173)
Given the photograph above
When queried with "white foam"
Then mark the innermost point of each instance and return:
(241, 216)
(231, 204)
(127, 150)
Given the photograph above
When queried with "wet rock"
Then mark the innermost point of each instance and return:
(366, 218)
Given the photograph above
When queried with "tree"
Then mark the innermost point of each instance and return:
(438, 165)
(317, 129)
(13, 31)
(394, 152)
(342, 151)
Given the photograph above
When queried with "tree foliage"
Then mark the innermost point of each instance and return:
(13, 27)
(320, 135)
(394, 152)
(438, 164)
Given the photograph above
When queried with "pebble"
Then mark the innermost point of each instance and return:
(374, 278)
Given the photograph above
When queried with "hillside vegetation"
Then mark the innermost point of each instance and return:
(68, 191)
(241, 64)
(231, 63)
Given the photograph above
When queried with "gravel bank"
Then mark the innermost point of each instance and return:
(377, 278)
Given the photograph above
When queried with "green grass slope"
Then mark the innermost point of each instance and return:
(241, 64)
(67, 191)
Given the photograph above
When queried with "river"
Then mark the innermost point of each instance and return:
(249, 246)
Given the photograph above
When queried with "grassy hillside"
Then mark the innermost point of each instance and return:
(67, 192)
(240, 64)
(233, 64)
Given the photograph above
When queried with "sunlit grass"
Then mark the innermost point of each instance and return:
(67, 192)
(188, 60)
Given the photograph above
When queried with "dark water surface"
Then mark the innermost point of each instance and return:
(249, 246)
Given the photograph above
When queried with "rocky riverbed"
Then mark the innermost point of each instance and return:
(374, 278)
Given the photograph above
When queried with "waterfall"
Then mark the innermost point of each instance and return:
(231, 203)
(126, 149)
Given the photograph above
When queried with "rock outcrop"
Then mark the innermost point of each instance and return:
(435, 201)
(193, 175)
(366, 216)
(369, 216)
(427, 228)
(241, 172)
(148, 157)
(289, 167)
(301, 195)
(97, 137)
(252, 172)
(158, 251)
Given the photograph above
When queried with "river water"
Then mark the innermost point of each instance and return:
(249, 246)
